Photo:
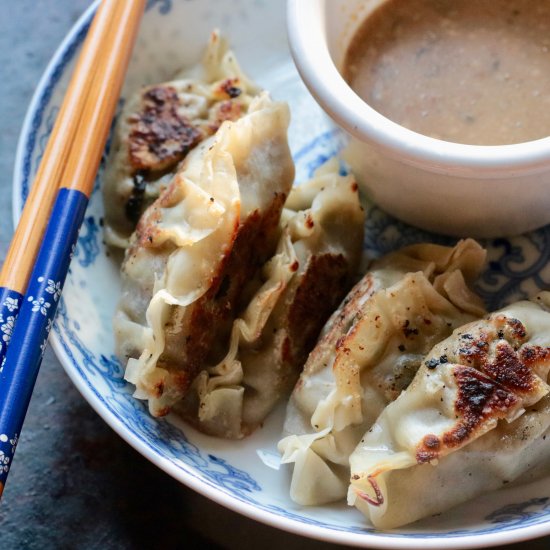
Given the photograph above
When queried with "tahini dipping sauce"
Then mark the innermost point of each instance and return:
(466, 71)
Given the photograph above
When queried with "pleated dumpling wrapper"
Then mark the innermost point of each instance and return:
(195, 249)
(315, 264)
(368, 352)
(160, 124)
(474, 418)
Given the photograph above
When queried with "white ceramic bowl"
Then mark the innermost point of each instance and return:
(245, 475)
(447, 187)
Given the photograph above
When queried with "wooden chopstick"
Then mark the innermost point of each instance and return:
(92, 134)
(28, 339)
(28, 234)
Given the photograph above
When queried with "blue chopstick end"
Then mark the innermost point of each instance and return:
(10, 304)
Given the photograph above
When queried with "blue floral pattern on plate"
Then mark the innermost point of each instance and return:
(517, 268)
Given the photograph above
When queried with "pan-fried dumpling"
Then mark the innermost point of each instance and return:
(473, 419)
(195, 249)
(368, 353)
(315, 264)
(159, 125)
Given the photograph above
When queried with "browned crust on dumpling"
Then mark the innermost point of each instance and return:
(298, 318)
(479, 398)
(339, 323)
(230, 88)
(322, 287)
(159, 136)
(222, 111)
(495, 368)
(290, 334)
(500, 351)
(199, 333)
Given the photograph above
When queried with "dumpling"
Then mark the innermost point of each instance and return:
(316, 262)
(197, 247)
(158, 127)
(474, 418)
(368, 353)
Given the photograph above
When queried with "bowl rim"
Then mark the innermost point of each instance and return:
(21, 174)
(311, 53)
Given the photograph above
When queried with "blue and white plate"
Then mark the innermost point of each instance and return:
(245, 475)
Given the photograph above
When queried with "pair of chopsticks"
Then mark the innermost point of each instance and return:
(38, 258)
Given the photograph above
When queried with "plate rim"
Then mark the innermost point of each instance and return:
(371, 539)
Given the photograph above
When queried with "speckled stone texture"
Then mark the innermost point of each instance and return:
(74, 482)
